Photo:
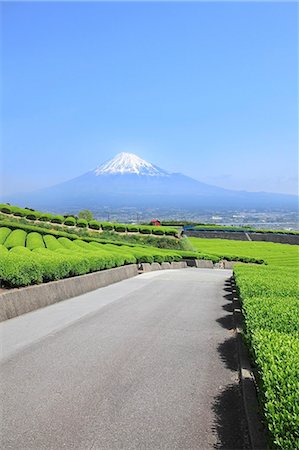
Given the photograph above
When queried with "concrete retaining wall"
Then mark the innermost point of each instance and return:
(178, 265)
(19, 301)
(204, 263)
(146, 267)
(292, 239)
(241, 236)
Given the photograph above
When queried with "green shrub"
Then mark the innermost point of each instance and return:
(32, 215)
(34, 240)
(270, 303)
(106, 226)
(82, 245)
(47, 217)
(158, 231)
(6, 209)
(67, 243)
(132, 228)
(57, 219)
(16, 271)
(52, 243)
(266, 281)
(4, 233)
(79, 263)
(271, 313)
(120, 228)
(16, 238)
(19, 212)
(278, 368)
(70, 221)
(94, 225)
(19, 250)
(54, 266)
(3, 250)
(145, 230)
(82, 223)
(171, 232)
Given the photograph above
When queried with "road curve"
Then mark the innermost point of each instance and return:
(147, 363)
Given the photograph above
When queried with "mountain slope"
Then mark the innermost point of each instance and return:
(127, 180)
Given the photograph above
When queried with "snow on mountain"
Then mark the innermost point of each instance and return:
(126, 163)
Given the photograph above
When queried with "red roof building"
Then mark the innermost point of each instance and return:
(155, 223)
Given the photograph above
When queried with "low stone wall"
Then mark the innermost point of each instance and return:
(241, 236)
(178, 265)
(146, 267)
(19, 301)
(292, 239)
(204, 264)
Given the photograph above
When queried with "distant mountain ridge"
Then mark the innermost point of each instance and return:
(129, 181)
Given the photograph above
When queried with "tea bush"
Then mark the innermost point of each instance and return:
(5, 209)
(270, 304)
(47, 217)
(277, 359)
(145, 230)
(4, 232)
(16, 238)
(57, 219)
(70, 221)
(34, 240)
(33, 215)
(82, 223)
(94, 225)
(3, 250)
(132, 228)
(18, 271)
(158, 231)
(120, 228)
(106, 226)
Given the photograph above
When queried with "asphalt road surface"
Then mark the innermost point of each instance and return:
(147, 363)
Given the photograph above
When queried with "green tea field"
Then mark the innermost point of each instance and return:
(269, 296)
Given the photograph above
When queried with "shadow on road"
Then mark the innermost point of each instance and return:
(228, 353)
(230, 419)
(226, 322)
(230, 422)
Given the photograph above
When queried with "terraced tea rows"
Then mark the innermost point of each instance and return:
(270, 303)
(71, 221)
(29, 257)
(273, 254)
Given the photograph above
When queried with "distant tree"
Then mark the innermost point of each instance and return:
(86, 214)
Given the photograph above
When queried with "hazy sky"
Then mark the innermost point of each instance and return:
(207, 89)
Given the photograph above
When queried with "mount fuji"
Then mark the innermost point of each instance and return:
(129, 181)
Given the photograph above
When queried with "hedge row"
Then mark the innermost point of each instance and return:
(270, 303)
(48, 234)
(37, 257)
(21, 267)
(82, 223)
(148, 240)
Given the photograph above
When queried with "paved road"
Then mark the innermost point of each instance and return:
(147, 363)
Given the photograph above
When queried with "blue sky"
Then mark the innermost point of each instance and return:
(207, 89)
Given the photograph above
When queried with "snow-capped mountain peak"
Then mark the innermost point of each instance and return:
(129, 163)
